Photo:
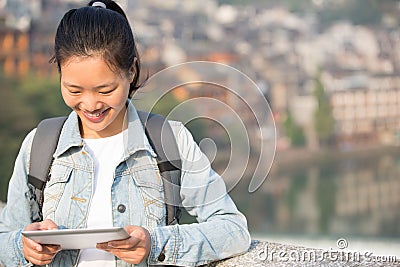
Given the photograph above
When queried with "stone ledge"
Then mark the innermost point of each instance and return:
(274, 254)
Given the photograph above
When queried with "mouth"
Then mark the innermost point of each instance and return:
(96, 116)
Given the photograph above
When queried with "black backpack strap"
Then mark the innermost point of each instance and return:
(43, 146)
(162, 139)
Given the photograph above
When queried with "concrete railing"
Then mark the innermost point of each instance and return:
(274, 254)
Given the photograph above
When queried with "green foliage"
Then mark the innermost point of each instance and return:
(24, 103)
(323, 119)
(359, 12)
(44, 95)
(15, 117)
(294, 132)
(299, 6)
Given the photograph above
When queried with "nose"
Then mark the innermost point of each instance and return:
(89, 102)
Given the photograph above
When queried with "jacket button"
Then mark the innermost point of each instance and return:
(161, 257)
(121, 208)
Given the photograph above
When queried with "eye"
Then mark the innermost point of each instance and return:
(72, 89)
(107, 92)
(74, 92)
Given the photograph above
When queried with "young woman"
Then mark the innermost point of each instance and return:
(104, 172)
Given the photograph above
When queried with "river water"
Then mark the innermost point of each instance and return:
(356, 199)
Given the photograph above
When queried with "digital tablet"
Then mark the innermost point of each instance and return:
(77, 238)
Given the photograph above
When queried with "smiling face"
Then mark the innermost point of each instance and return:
(96, 93)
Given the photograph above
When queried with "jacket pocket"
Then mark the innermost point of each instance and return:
(150, 185)
(59, 174)
(55, 187)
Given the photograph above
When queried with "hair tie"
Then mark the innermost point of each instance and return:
(99, 4)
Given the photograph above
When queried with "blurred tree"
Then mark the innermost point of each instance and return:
(44, 95)
(294, 132)
(16, 117)
(25, 103)
(323, 119)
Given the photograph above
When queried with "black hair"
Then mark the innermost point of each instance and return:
(89, 31)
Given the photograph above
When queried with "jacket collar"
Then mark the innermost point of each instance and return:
(135, 138)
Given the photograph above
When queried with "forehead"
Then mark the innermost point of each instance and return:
(75, 61)
(88, 71)
(88, 64)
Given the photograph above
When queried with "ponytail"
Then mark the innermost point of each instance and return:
(101, 28)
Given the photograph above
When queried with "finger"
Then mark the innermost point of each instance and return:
(39, 262)
(107, 246)
(44, 253)
(32, 226)
(43, 256)
(52, 249)
(102, 245)
(48, 225)
(128, 243)
(39, 257)
(31, 245)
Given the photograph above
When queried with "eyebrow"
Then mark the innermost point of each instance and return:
(67, 84)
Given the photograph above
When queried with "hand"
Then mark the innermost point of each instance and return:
(36, 253)
(131, 250)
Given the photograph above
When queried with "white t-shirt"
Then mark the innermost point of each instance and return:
(107, 153)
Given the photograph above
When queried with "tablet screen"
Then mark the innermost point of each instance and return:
(77, 238)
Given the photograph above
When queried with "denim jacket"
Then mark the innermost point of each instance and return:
(221, 231)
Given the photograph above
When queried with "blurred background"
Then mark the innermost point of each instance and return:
(329, 69)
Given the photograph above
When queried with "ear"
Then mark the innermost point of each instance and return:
(132, 71)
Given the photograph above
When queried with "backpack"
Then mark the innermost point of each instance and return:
(159, 134)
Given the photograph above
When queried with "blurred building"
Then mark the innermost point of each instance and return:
(15, 22)
(366, 108)
(27, 31)
(359, 66)
(14, 51)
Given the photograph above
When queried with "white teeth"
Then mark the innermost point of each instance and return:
(96, 115)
